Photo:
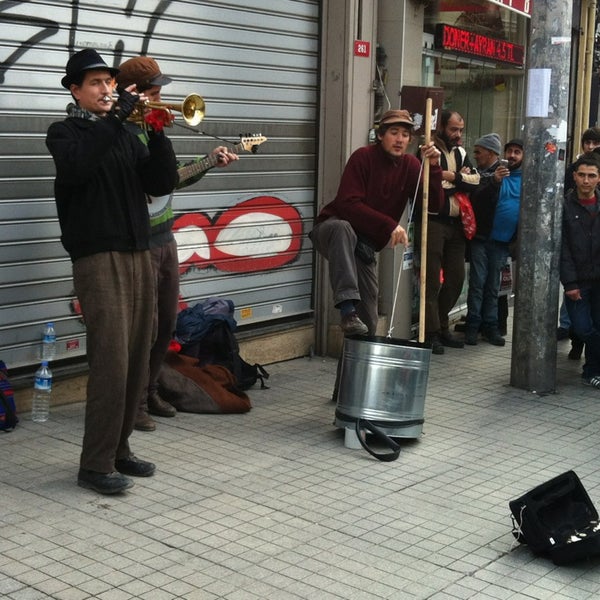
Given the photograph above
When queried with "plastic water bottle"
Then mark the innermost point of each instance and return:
(49, 342)
(42, 391)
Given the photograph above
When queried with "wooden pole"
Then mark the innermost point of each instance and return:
(423, 271)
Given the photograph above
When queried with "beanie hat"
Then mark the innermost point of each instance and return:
(143, 71)
(491, 142)
(514, 142)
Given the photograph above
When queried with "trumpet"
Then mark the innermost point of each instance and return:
(192, 109)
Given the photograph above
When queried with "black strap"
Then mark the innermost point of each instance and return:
(362, 426)
(261, 373)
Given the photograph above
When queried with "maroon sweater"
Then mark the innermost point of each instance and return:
(375, 189)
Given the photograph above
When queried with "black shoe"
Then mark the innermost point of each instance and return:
(135, 467)
(471, 336)
(449, 340)
(103, 483)
(576, 349)
(561, 334)
(493, 337)
(435, 343)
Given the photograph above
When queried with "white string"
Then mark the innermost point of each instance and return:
(410, 216)
(517, 528)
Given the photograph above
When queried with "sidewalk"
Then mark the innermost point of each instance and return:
(272, 505)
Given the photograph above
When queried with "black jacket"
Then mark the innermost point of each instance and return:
(580, 248)
(484, 201)
(102, 176)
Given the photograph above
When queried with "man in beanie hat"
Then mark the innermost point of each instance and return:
(446, 240)
(377, 183)
(145, 74)
(103, 174)
(496, 206)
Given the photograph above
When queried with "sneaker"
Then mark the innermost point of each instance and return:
(135, 467)
(352, 325)
(447, 339)
(436, 345)
(493, 336)
(471, 336)
(103, 483)
(144, 422)
(593, 381)
(159, 407)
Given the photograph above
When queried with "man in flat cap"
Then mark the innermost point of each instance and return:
(496, 204)
(145, 74)
(377, 183)
(103, 174)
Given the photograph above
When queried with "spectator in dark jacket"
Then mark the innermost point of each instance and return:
(580, 262)
(103, 174)
(496, 205)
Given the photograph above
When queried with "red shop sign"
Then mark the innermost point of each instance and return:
(475, 44)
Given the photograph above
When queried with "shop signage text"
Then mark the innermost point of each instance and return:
(475, 44)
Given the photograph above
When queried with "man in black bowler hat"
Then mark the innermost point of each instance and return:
(103, 174)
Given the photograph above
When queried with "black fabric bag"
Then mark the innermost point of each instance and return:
(8, 410)
(557, 519)
(219, 346)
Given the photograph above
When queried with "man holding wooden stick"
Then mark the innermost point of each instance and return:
(378, 182)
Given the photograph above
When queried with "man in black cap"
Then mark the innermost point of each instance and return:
(496, 204)
(103, 174)
(377, 183)
(144, 72)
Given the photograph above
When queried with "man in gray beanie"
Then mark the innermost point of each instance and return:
(496, 207)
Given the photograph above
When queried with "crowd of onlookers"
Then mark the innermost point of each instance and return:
(473, 215)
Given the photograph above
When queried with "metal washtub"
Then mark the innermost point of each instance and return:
(383, 380)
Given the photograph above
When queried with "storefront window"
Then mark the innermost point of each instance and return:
(488, 92)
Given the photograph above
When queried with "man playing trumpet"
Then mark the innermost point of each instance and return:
(144, 73)
(103, 175)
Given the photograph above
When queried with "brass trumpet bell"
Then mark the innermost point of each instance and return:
(192, 108)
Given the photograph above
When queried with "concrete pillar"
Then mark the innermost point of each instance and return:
(533, 363)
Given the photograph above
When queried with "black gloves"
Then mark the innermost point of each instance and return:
(126, 103)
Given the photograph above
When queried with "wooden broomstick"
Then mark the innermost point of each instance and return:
(423, 270)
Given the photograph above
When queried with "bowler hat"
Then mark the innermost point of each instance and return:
(143, 71)
(84, 60)
(396, 117)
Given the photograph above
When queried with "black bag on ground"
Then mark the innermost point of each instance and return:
(8, 410)
(219, 346)
(557, 519)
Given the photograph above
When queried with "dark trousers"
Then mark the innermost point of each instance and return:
(350, 277)
(116, 293)
(585, 321)
(486, 261)
(445, 252)
(165, 265)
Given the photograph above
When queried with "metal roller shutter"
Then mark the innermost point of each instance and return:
(241, 230)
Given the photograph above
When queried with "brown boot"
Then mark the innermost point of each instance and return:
(157, 406)
(144, 422)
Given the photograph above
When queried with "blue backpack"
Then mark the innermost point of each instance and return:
(8, 411)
